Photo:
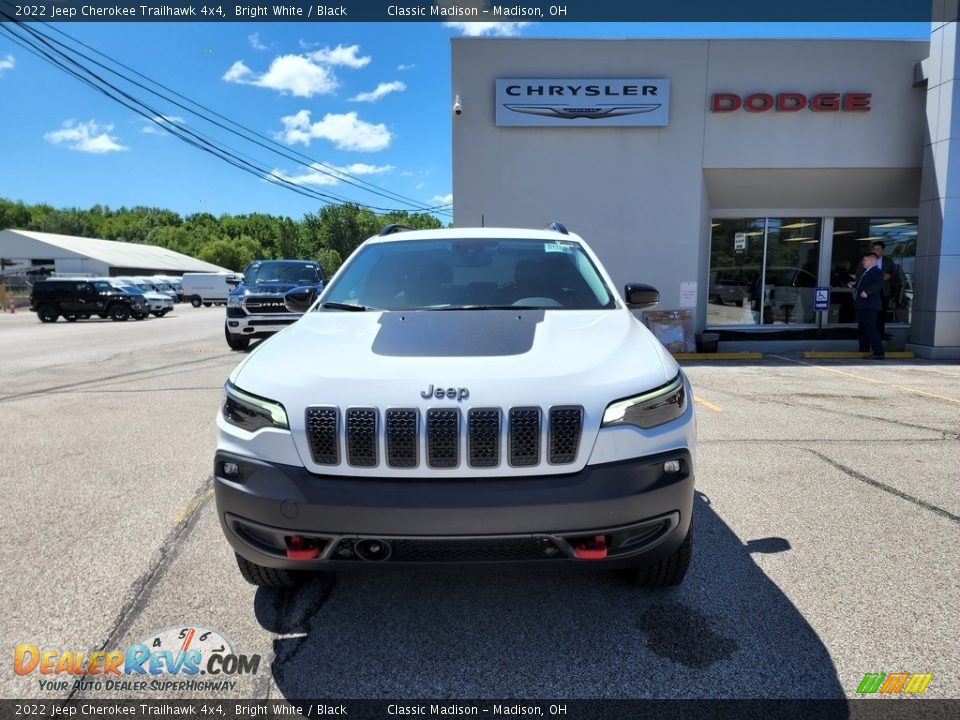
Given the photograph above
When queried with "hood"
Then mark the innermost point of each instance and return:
(384, 359)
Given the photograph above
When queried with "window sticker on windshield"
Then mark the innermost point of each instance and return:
(559, 247)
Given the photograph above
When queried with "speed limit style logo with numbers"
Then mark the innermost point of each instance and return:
(184, 658)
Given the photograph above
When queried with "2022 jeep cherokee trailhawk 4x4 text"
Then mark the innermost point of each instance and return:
(460, 396)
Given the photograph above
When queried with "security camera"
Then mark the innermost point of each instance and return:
(457, 107)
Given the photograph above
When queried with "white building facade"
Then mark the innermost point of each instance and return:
(737, 176)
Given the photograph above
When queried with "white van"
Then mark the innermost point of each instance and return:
(208, 288)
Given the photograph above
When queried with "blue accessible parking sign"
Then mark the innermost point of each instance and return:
(821, 298)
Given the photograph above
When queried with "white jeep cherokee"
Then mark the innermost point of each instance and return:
(460, 396)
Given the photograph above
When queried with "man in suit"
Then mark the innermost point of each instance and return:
(867, 301)
(891, 281)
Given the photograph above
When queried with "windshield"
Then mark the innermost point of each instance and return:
(295, 273)
(131, 290)
(471, 273)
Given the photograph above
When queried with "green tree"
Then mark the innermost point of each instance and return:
(231, 254)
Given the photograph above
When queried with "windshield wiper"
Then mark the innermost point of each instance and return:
(345, 306)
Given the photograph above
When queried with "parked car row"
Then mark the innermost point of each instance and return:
(82, 298)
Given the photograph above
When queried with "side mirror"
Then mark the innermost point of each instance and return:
(233, 280)
(300, 299)
(640, 296)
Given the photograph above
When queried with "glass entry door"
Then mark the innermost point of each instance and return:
(763, 271)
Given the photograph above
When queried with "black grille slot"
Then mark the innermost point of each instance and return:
(566, 423)
(483, 433)
(524, 436)
(401, 428)
(362, 437)
(475, 550)
(322, 435)
(443, 438)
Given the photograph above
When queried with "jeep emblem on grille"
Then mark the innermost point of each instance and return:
(457, 394)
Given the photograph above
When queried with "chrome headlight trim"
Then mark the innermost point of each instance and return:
(649, 409)
(250, 412)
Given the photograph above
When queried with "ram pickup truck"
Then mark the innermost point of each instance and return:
(256, 307)
(460, 396)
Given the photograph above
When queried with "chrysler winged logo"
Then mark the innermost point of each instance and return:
(572, 112)
(458, 394)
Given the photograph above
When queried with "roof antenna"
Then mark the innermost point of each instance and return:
(482, 219)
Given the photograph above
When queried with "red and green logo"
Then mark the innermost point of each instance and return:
(894, 683)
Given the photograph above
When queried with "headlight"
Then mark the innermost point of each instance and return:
(250, 412)
(653, 408)
(234, 301)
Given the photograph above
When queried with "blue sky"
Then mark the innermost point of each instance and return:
(371, 98)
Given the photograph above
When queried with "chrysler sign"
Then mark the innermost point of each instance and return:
(583, 102)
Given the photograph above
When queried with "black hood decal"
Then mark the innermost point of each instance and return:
(456, 333)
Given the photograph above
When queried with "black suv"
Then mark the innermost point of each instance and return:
(79, 299)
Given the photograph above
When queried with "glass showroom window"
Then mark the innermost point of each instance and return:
(854, 236)
(766, 268)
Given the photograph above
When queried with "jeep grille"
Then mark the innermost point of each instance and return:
(441, 432)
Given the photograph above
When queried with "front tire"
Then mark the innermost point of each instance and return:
(119, 313)
(236, 343)
(670, 571)
(270, 577)
(196, 301)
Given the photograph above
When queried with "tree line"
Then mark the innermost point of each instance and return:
(231, 241)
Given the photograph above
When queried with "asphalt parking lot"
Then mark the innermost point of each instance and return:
(827, 522)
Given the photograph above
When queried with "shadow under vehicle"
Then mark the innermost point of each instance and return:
(544, 633)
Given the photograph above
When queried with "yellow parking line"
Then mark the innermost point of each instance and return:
(708, 404)
(864, 378)
(191, 506)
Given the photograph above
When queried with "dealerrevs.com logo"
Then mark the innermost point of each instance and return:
(190, 658)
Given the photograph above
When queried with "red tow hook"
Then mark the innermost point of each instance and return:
(597, 552)
(298, 549)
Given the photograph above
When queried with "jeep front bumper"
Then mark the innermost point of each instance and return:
(626, 513)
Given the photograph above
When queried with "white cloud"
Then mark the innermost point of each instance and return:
(340, 55)
(288, 73)
(255, 42)
(331, 175)
(86, 137)
(346, 131)
(406, 173)
(421, 186)
(238, 73)
(476, 29)
(442, 199)
(7, 63)
(382, 89)
(154, 128)
(402, 67)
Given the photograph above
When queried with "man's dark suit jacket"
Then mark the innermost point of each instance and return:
(889, 268)
(870, 282)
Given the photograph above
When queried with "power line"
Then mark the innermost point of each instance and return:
(283, 152)
(200, 141)
(270, 145)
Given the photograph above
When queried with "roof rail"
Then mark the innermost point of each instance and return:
(395, 228)
(558, 227)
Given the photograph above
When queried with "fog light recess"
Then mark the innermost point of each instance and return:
(671, 466)
(230, 469)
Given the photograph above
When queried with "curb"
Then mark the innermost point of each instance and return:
(719, 356)
(823, 355)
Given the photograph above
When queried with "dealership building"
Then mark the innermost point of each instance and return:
(742, 178)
